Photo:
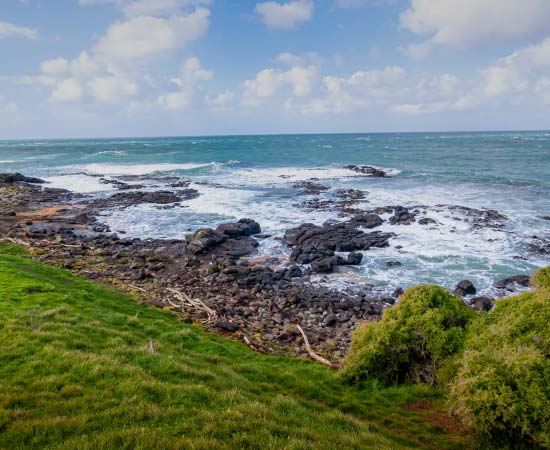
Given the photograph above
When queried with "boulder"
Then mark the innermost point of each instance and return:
(324, 265)
(330, 320)
(244, 227)
(465, 287)
(10, 178)
(481, 303)
(367, 220)
(508, 283)
(367, 170)
(402, 216)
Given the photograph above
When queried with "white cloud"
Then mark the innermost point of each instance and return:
(67, 90)
(289, 59)
(145, 37)
(59, 66)
(111, 89)
(174, 100)
(134, 8)
(10, 30)
(298, 81)
(221, 102)
(518, 72)
(285, 15)
(417, 51)
(191, 75)
(468, 22)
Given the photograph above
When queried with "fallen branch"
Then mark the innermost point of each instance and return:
(311, 353)
(195, 303)
(16, 241)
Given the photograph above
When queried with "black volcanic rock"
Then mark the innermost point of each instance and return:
(11, 178)
(465, 287)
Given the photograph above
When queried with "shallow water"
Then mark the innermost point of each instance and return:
(252, 176)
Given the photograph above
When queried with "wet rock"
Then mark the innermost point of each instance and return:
(540, 246)
(464, 287)
(11, 178)
(427, 221)
(324, 265)
(402, 216)
(397, 292)
(203, 240)
(393, 264)
(510, 282)
(244, 227)
(367, 220)
(310, 187)
(125, 199)
(330, 320)
(227, 326)
(481, 304)
(367, 170)
(313, 243)
(354, 259)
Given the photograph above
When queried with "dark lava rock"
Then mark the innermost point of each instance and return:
(227, 326)
(244, 227)
(481, 304)
(324, 265)
(138, 197)
(465, 287)
(397, 292)
(367, 220)
(402, 216)
(354, 259)
(203, 240)
(330, 320)
(508, 283)
(310, 187)
(367, 170)
(10, 178)
(314, 243)
(293, 272)
(540, 246)
(393, 264)
(427, 221)
(545, 217)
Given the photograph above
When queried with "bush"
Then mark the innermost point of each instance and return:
(413, 341)
(541, 279)
(502, 387)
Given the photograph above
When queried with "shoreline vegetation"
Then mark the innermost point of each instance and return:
(88, 367)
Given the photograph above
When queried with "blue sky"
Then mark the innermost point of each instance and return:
(87, 68)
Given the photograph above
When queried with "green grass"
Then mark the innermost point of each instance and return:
(84, 367)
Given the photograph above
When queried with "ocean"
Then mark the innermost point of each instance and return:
(254, 177)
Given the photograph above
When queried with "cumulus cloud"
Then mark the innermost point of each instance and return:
(145, 37)
(147, 7)
(297, 81)
(519, 72)
(68, 90)
(472, 21)
(188, 82)
(111, 89)
(285, 15)
(8, 30)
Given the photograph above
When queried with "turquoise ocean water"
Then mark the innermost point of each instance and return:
(252, 176)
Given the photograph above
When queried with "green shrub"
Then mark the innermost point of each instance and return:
(413, 341)
(541, 279)
(502, 387)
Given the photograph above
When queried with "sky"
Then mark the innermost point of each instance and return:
(106, 68)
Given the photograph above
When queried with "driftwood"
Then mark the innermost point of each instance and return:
(194, 303)
(15, 241)
(311, 353)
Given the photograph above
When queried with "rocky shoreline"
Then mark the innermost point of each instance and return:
(214, 276)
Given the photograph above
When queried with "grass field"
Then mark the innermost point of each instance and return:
(84, 367)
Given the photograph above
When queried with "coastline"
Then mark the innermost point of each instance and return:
(215, 277)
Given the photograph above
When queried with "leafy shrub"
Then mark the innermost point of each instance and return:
(502, 387)
(541, 279)
(413, 340)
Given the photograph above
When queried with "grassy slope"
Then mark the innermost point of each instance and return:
(84, 367)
